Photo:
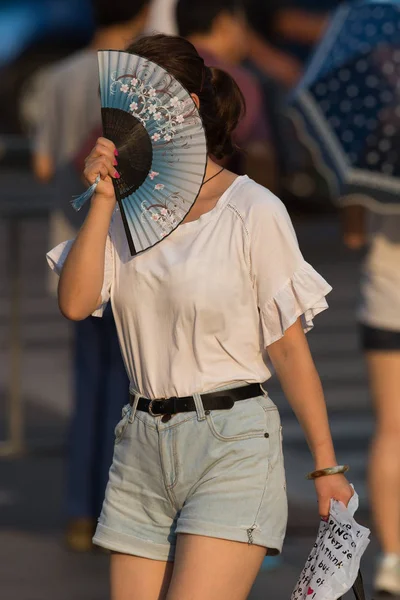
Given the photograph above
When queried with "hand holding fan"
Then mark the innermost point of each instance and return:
(162, 150)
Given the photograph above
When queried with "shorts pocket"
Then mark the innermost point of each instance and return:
(247, 419)
(123, 423)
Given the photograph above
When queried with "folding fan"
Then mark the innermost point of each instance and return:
(162, 150)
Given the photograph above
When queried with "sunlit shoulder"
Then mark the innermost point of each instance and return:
(254, 201)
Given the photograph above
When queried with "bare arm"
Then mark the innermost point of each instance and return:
(354, 227)
(301, 26)
(301, 384)
(260, 165)
(45, 143)
(83, 272)
(43, 167)
(300, 381)
(276, 63)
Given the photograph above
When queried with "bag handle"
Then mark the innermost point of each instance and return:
(358, 588)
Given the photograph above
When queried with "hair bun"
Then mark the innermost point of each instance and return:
(229, 108)
(221, 101)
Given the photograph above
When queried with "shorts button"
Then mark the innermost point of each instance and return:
(266, 435)
(207, 412)
(166, 418)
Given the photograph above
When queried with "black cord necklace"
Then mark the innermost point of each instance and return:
(212, 177)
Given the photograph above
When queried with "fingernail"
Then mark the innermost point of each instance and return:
(115, 162)
(117, 175)
(116, 152)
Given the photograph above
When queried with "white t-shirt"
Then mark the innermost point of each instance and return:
(197, 311)
(380, 283)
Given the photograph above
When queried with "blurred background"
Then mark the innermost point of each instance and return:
(37, 347)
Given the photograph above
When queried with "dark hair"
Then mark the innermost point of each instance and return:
(114, 12)
(221, 101)
(198, 17)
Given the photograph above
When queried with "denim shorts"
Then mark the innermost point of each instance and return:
(214, 473)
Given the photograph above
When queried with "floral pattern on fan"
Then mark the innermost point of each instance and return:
(148, 104)
(164, 213)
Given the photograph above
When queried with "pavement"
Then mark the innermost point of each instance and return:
(34, 565)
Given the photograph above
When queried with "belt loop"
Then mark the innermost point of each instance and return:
(134, 406)
(199, 407)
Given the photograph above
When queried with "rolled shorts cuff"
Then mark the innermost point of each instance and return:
(117, 541)
(234, 534)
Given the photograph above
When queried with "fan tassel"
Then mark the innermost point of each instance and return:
(78, 201)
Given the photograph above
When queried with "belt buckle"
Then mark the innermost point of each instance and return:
(153, 414)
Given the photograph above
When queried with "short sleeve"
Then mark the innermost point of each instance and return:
(287, 287)
(56, 259)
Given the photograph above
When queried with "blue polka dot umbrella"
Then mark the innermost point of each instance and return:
(347, 106)
(161, 143)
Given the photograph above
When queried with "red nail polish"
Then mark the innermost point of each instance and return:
(115, 162)
(117, 175)
(116, 152)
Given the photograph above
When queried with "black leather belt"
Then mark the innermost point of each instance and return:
(212, 401)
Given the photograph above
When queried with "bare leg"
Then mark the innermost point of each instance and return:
(384, 468)
(135, 578)
(213, 569)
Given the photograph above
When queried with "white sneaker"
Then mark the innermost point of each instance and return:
(387, 577)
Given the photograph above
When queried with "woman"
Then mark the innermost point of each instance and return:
(197, 489)
(379, 318)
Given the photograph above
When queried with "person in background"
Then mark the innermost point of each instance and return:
(290, 29)
(279, 65)
(69, 111)
(283, 33)
(218, 30)
(379, 318)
